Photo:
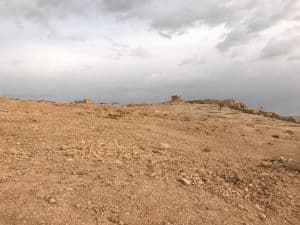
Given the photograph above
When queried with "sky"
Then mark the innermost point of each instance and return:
(145, 51)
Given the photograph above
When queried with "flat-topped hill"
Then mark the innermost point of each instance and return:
(173, 163)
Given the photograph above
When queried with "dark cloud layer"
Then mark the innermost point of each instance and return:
(244, 19)
(276, 48)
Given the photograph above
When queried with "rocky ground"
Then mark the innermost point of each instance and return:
(160, 164)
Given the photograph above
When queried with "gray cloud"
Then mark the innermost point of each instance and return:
(165, 35)
(11, 62)
(235, 38)
(244, 19)
(294, 58)
(170, 34)
(140, 52)
(123, 6)
(280, 47)
(192, 61)
(254, 19)
(55, 34)
(120, 50)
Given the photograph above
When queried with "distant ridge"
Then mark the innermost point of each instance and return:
(230, 103)
(240, 106)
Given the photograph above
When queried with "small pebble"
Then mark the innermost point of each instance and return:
(265, 164)
(184, 181)
(165, 146)
(262, 217)
(207, 149)
(52, 201)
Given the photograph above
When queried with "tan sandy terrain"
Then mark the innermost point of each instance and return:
(166, 164)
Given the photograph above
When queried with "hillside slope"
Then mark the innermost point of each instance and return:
(172, 164)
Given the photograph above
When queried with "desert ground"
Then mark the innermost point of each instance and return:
(164, 164)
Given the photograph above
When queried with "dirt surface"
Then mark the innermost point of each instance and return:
(161, 164)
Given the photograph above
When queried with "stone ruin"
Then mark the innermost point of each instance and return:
(231, 103)
(176, 98)
(83, 101)
(234, 104)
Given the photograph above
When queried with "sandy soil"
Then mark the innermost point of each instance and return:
(160, 164)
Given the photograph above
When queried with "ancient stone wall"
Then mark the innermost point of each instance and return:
(234, 104)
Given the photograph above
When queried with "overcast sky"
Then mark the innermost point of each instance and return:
(146, 50)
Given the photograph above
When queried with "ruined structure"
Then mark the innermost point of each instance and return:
(240, 106)
(176, 98)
